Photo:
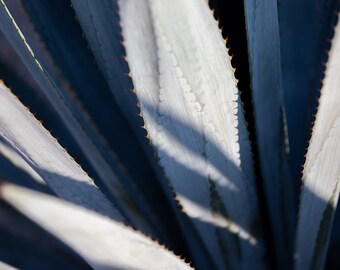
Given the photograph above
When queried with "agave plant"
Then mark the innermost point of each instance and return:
(191, 121)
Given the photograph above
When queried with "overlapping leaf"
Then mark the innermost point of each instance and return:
(189, 99)
(320, 189)
(102, 242)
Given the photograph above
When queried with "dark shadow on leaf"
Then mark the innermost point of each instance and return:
(127, 159)
(11, 173)
(227, 167)
(223, 164)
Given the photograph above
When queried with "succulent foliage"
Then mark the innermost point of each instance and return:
(190, 120)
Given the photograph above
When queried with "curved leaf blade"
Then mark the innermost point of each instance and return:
(320, 190)
(103, 243)
(37, 147)
(189, 100)
(73, 120)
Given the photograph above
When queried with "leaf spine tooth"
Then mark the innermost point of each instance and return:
(230, 56)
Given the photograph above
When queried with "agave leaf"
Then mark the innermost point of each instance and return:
(266, 83)
(26, 245)
(320, 189)
(19, 79)
(64, 41)
(302, 43)
(71, 53)
(100, 23)
(73, 120)
(189, 99)
(47, 157)
(143, 58)
(103, 243)
(16, 170)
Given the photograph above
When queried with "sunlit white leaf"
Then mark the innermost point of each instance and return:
(190, 103)
(102, 242)
(20, 130)
(320, 189)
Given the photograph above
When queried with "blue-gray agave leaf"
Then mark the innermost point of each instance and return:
(190, 103)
